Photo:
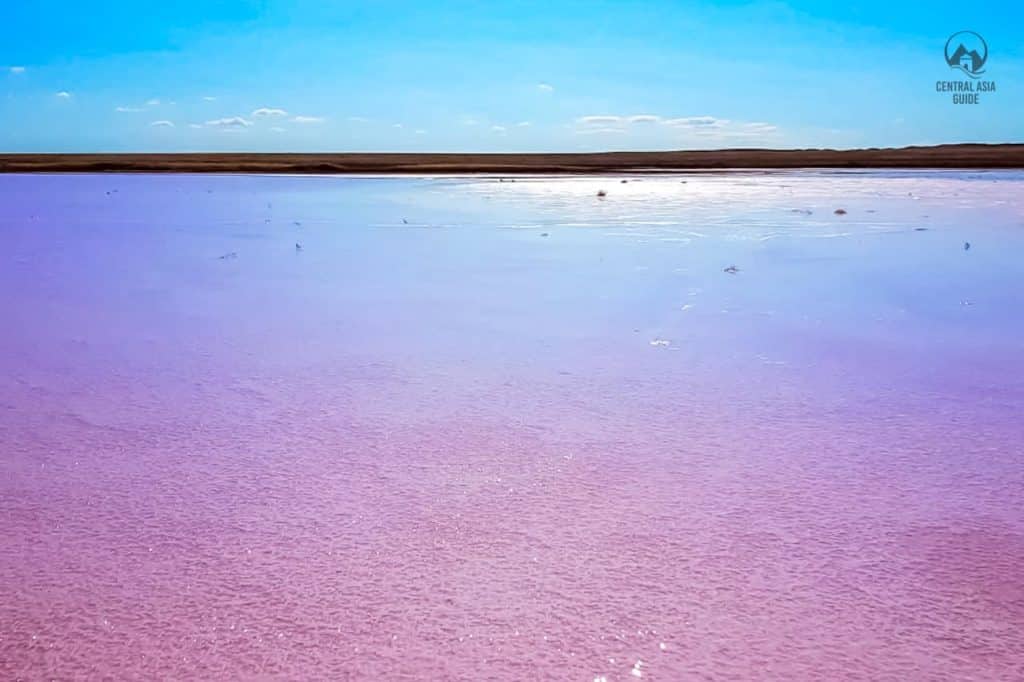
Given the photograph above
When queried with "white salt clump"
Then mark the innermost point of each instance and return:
(636, 672)
(662, 646)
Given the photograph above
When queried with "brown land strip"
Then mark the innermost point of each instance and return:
(955, 156)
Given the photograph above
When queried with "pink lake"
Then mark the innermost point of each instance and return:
(507, 430)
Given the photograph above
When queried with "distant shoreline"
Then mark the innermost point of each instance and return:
(952, 156)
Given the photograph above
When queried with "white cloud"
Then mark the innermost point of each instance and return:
(544, 87)
(269, 113)
(277, 129)
(700, 127)
(162, 124)
(398, 125)
(208, 98)
(63, 94)
(17, 69)
(501, 130)
(194, 126)
(523, 124)
(421, 131)
(721, 128)
(358, 119)
(308, 119)
(470, 121)
(601, 131)
(230, 123)
(599, 120)
(696, 122)
(132, 110)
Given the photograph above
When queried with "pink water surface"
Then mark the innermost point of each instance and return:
(507, 430)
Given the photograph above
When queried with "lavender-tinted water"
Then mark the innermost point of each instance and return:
(507, 430)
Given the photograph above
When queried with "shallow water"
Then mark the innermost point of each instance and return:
(507, 430)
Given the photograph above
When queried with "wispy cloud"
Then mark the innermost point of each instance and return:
(195, 126)
(602, 131)
(358, 119)
(722, 128)
(501, 130)
(399, 126)
(133, 110)
(308, 119)
(277, 129)
(699, 127)
(544, 87)
(162, 124)
(265, 112)
(523, 124)
(229, 123)
(696, 122)
(64, 94)
(16, 69)
(209, 98)
(764, 127)
(599, 120)
(421, 131)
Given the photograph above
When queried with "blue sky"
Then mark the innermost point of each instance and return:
(496, 76)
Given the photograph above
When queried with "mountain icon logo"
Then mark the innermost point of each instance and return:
(968, 52)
